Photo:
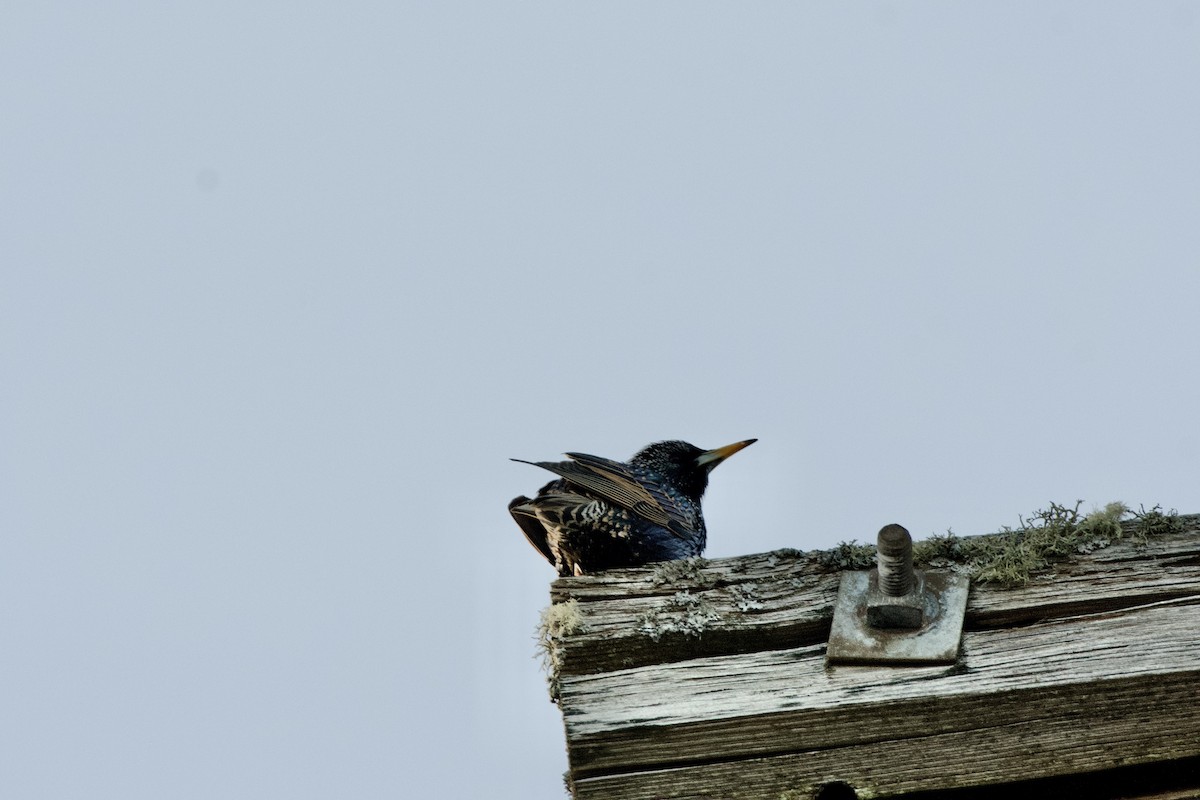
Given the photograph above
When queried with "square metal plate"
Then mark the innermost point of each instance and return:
(852, 641)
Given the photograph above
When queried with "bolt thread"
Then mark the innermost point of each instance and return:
(893, 555)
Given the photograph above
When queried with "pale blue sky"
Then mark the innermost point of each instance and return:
(285, 285)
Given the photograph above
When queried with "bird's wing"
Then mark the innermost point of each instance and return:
(531, 526)
(614, 482)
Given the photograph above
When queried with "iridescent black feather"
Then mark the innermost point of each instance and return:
(602, 513)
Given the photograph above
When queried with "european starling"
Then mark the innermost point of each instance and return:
(601, 514)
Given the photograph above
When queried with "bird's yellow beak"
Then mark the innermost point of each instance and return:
(710, 458)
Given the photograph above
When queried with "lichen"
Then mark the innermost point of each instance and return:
(848, 555)
(557, 622)
(1011, 556)
(1156, 522)
(745, 596)
(683, 613)
(1049, 535)
(1101, 527)
(947, 548)
(682, 571)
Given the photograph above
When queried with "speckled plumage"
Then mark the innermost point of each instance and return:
(601, 514)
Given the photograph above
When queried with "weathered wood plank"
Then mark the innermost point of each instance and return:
(708, 680)
(622, 584)
(744, 617)
(766, 602)
(664, 579)
(1098, 738)
(740, 707)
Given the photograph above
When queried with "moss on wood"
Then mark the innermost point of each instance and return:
(683, 612)
(1008, 558)
(558, 621)
(1013, 555)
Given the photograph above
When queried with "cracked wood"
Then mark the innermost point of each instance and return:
(1092, 666)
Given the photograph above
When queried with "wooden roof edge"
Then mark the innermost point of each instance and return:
(1009, 557)
(689, 609)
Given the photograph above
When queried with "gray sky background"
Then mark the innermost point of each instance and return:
(285, 285)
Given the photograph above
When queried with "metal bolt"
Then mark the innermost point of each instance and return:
(895, 614)
(893, 554)
(894, 601)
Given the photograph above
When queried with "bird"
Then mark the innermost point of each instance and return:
(600, 514)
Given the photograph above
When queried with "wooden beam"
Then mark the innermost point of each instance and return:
(774, 601)
(712, 683)
(728, 707)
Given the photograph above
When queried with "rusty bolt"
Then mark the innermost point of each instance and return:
(893, 554)
(894, 599)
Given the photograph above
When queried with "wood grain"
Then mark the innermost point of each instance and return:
(1042, 747)
(757, 603)
(744, 706)
(713, 683)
